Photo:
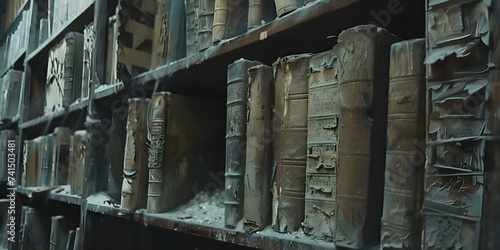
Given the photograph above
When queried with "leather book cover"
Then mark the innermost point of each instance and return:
(260, 12)
(284, 7)
(322, 146)
(205, 24)
(290, 141)
(135, 165)
(228, 21)
(236, 127)
(405, 155)
(192, 45)
(363, 56)
(258, 162)
(29, 163)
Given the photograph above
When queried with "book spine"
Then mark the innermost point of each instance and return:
(290, 141)
(13, 82)
(40, 159)
(135, 165)
(47, 153)
(157, 150)
(78, 239)
(58, 233)
(78, 151)
(72, 67)
(29, 163)
(177, 32)
(237, 86)
(61, 161)
(362, 133)
(205, 24)
(191, 26)
(70, 244)
(259, 13)
(160, 43)
(403, 168)
(219, 23)
(461, 126)
(88, 44)
(44, 31)
(258, 164)
(322, 146)
(284, 7)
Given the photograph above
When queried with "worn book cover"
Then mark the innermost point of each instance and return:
(192, 45)
(462, 126)
(181, 149)
(228, 21)
(135, 165)
(258, 162)
(40, 159)
(405, 157)
(64, 73)
(236, 127)
(290, 141)
(205, 24)
(260, 12)
(47, 153)
(363, 70)
(77, 154)
(29, 163)
(322, 145)
(160, 35)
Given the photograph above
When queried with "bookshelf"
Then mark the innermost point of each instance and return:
(310, 29)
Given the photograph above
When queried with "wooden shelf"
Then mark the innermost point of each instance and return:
(76, 24)
(60, 193)
(256, 43)
(48, 118)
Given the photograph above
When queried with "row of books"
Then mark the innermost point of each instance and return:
(16, 43)
(309, 139)
(39, 230)
(10, 89)
(55, 159)
(12, 8)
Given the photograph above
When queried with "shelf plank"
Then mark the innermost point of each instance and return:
(58, 193)
(266, 239)
(269, 32)
(100, 203)
(55, 115)
(76, 24)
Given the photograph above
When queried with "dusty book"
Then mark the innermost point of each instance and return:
(5, 152)
(258, 161)
(192, 45)
(160, 35)
(40, 159)
(462, 128)
(59, 231)
(177, 32)
(11, 94)
(205, 24)
(60, 162)
(183, 143)
(322, 146)
(363, 67)
(116, 145)
(236, 119)
(48, 154)
(405, 155)
(77, 154)
(64, 73)
(228, 21)
(135, 165)
(29, 163)
(290, 141)
(260, 12)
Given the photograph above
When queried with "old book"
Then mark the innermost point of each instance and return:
(78, 239)
(135, 164)
(30, 166)
(11, 94)
(59, 232)
(36, 229)
(192, 45)
(40, 159)
(115, 148)
(60, 162)
(186, 154)
(88, 46)
(405, 147)
(258, 164)
(237, 96)
(48, 153)
(64, 73)
(228, 21)
(70, 244)
(160, 36)
(205, 24)
(43, 33)
(260, 12)
(284, 7)
(322, 146)
(77, 154)
(362, 133)
(177, 32)
(5, 150)
(290, 141)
